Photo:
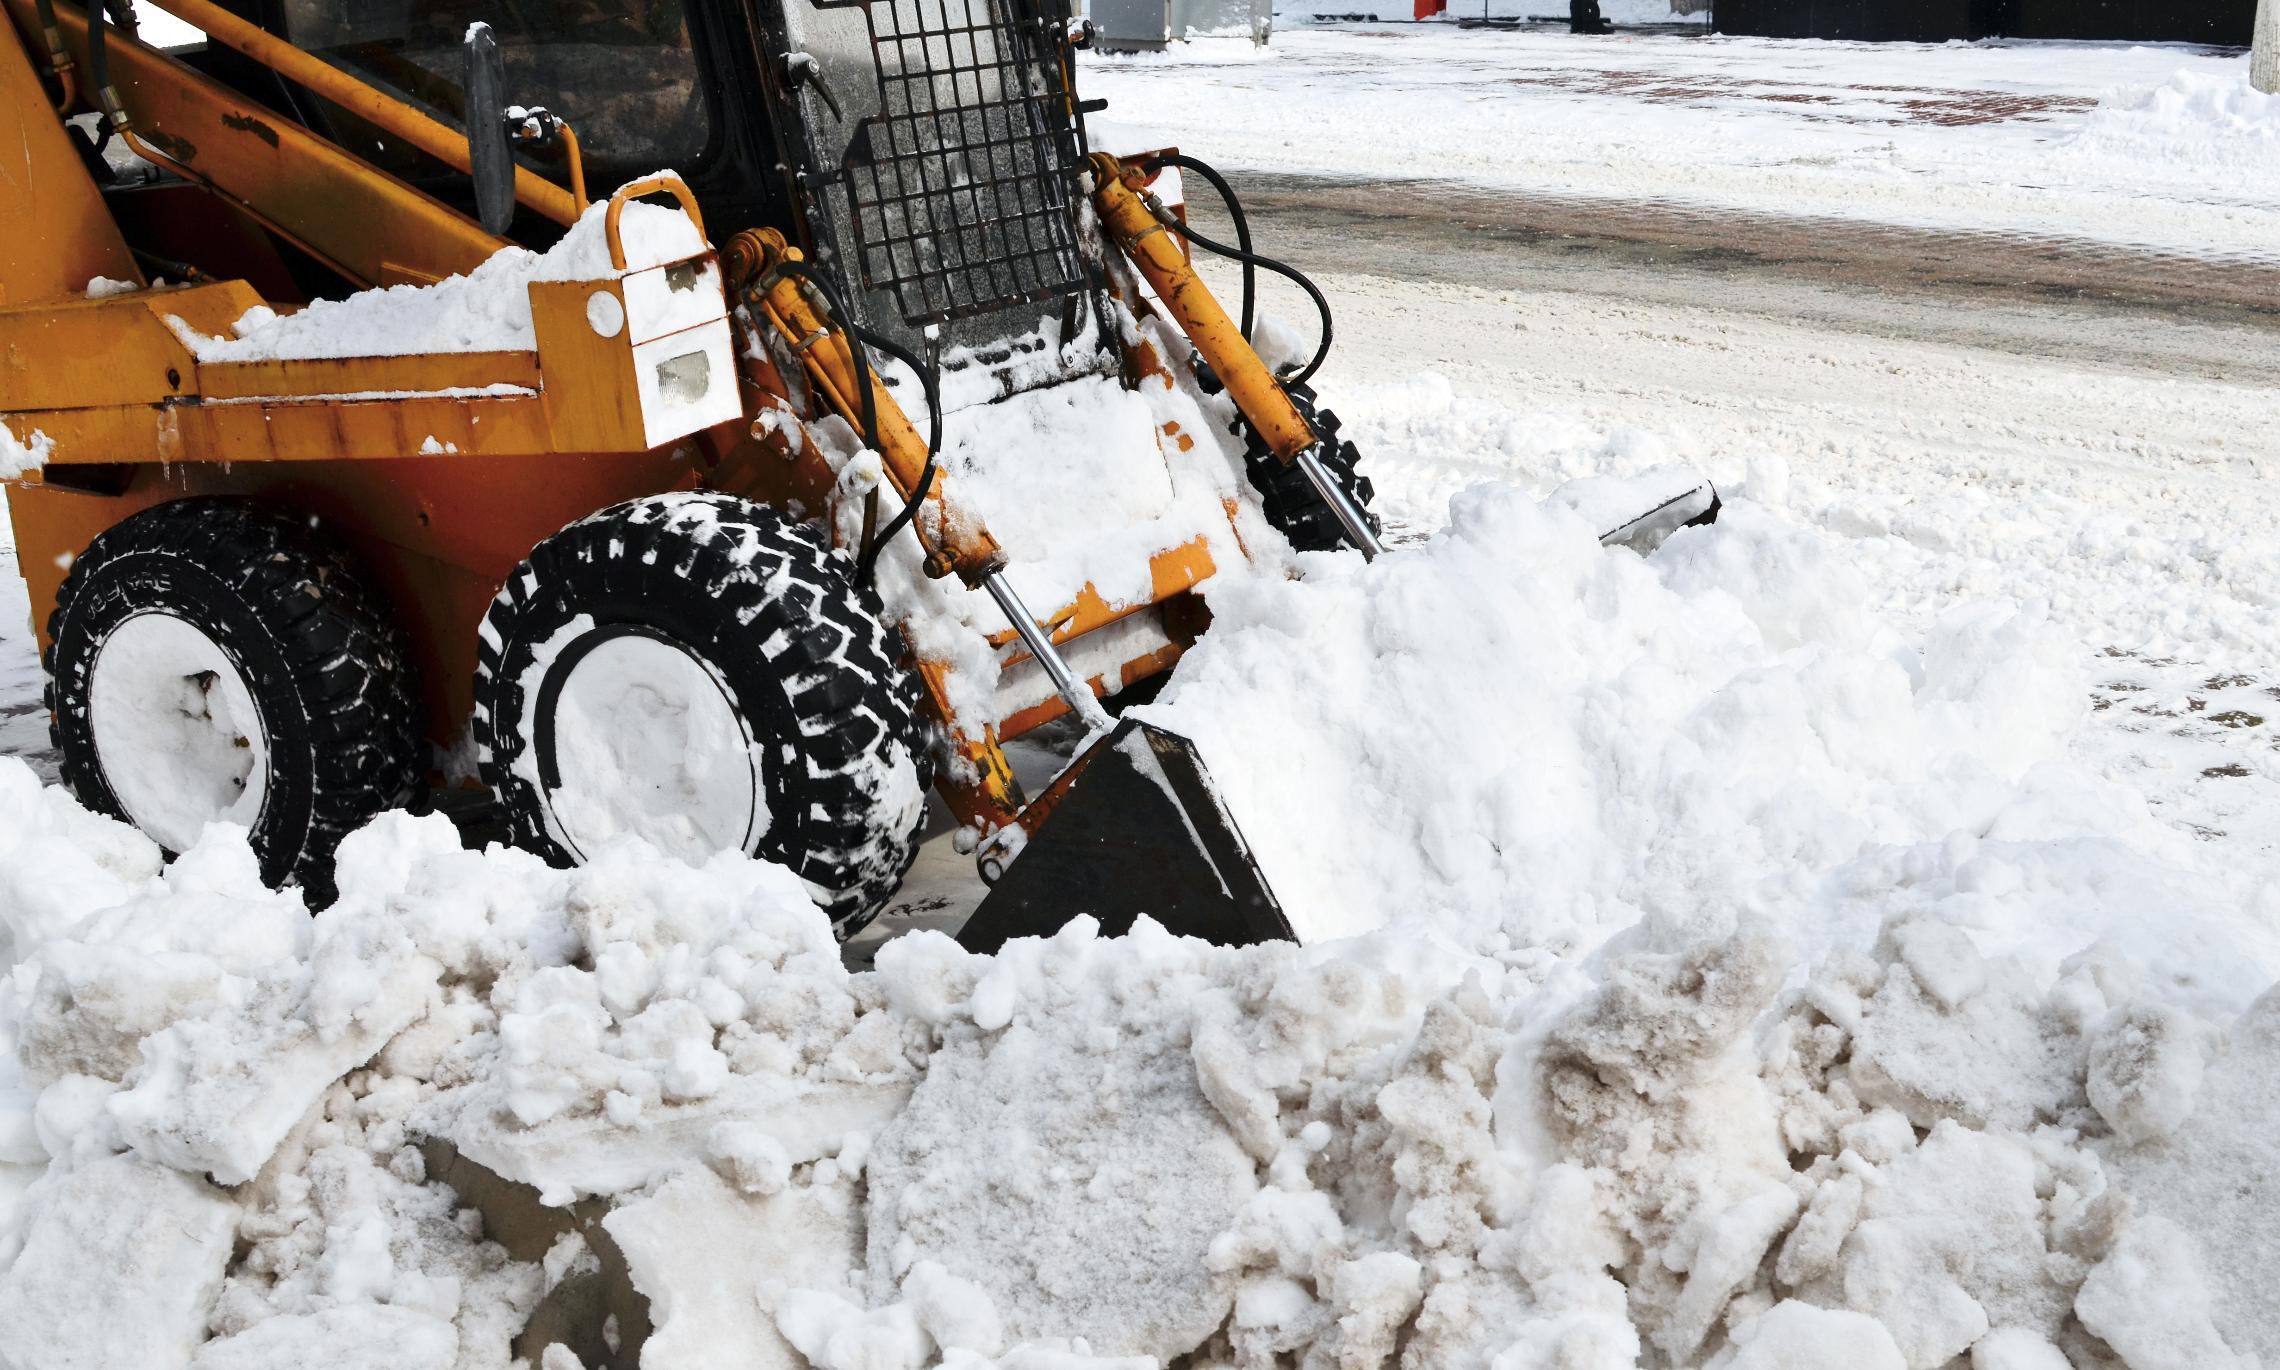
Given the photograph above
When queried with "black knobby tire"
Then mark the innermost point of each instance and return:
(1290, 500)
(321, 656)
(772, 613)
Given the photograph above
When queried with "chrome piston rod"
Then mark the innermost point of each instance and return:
(1040, 644)
(1350, 516)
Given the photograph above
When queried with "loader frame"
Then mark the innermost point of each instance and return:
(442, 470)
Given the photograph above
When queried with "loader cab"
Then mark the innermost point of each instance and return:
(648, 85)
(927, 152)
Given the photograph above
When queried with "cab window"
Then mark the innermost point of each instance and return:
(624, 74)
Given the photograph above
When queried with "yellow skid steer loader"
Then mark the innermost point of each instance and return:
(659, 524)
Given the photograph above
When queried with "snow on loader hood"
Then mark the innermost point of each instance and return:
(486, 310)
(1733, 980)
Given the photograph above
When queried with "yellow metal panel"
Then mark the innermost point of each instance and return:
(75, 352)
(591, 396)
(55, 233)
(1172, 571)
(320, 430)
(420, 372)
(238, 432)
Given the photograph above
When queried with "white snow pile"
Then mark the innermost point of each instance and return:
(1542, 741)
(486, 310)
(1768, 993)
(2193, 122)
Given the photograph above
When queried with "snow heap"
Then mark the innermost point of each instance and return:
(1895, 1043)
(486, 310)
(2193, 123)
(1540, 741)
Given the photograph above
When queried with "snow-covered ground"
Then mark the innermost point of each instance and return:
(2161, 147)
(1844, 937)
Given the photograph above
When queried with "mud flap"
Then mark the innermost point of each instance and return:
(1137, 827)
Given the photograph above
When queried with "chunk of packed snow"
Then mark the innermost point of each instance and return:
(962, 1176)
(2146, 1064)
(1798, 1336)
(210, 934)
(2013, 1348)
(217, 1090)
(1997, 1056)
(2218, 1178)
(717, 1265)
(2148, 1302)
(357, 1336)
(120, 1266)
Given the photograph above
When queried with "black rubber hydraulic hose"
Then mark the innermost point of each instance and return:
(99, 59)
(929, 377)
(1234, 206)
(866, 559)
(58, 61)
(1290, 273)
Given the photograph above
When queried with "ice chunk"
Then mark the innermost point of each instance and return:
(715, 1264)
(2146, 1064)
(755, 1161)
(2148, 1301)
(121, 1261)
(1038, 1163)
(219, 1092)
(1952, 1241)
(1998, 1055)
(1798, 1336)
(833, 1334)
(1815, 1241)
(360, 1336)
(1917, 1300)
(956, 1313)
(2015, 1348)
(1723, 1248)
(2218, 1178)
(1946, 964)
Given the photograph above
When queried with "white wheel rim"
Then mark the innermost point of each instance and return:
(177, 733)
(648, 742)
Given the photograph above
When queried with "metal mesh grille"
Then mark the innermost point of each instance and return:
(961, 188)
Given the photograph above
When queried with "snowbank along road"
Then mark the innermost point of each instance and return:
(1845, 937)
(2160, 148)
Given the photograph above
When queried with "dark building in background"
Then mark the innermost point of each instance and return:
(1937, 21)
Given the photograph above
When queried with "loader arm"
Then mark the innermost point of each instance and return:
(1141, 227)
(60, 234)
(362, 222)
